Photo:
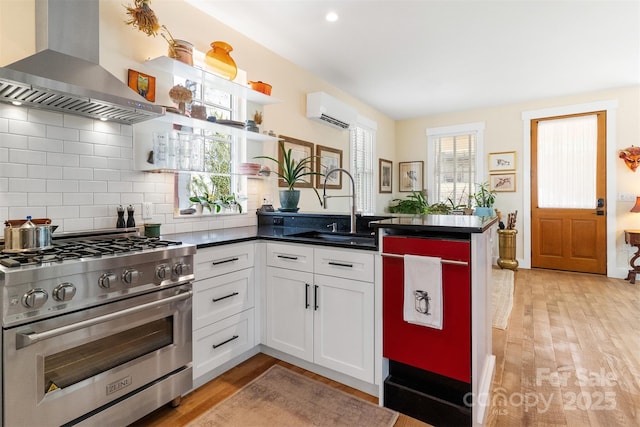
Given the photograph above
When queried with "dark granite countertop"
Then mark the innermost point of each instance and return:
(463, 224)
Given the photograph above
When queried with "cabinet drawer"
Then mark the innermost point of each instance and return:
(216, 298)
(219, 260)
(356, 265)
(222, 341)
(293, 257)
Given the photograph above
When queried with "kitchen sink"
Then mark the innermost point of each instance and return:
(337, 237)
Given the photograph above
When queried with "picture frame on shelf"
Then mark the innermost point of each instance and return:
(143, 84)
(299, 150)
(503, 161)
(502, 182)
(328, 158)
(410, 176)
(385, 176)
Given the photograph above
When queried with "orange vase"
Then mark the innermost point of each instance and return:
(219, 60)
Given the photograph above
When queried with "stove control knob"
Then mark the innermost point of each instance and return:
(163, 271)
(130, 276)
(64, 292)
(105, 281)
(180, 268)
(35, 298)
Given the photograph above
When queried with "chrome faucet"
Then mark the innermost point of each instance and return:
(352, 195)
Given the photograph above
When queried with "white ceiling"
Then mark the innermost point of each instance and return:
(417, 58)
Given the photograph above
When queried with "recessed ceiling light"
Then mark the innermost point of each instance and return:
(331, 17)
(104, 119)
(16, 102)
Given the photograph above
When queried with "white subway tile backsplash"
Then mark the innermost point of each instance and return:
(78, 122)
(9, 140)
(120, 187)
(92, 187)
(122, 164)
(27, 157)
(14, 170)
(27, 185)
(61, 159)
(71, 199)
(93, 162)
(78, 224)
(13, 199)
(46, 117)
(78, 173)
(108, 198)
(106, 127)
(20, 127)
(62, 212)
(107, 175)
(68, 134)
(93, 137)
(106, 151)
(76, 147)
(12, 112)
(63, 186)
(45, 144)
(44, 199)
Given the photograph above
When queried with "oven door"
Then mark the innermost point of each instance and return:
(60, 369)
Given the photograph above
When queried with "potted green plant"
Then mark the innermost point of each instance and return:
(203, 193)
(415, 203)
(484, 199)
(292, 172)
(228, 201)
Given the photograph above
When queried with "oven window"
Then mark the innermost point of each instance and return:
(85, 361)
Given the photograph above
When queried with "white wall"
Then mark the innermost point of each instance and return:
(504, 132)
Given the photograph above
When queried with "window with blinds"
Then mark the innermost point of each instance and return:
(362, 143)
(454, 159)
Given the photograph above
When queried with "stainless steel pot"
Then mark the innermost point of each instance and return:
(21, 239)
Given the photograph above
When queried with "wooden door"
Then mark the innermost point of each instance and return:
(569, 238)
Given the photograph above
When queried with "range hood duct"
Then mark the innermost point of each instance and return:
(65, 75)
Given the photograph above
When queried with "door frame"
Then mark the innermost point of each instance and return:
(610, 107)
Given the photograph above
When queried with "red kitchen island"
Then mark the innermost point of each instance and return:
(439, 373)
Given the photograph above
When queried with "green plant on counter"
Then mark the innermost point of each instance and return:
(415, 203)
(484, 198)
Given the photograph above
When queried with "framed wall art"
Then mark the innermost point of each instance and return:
(328, 158)
(385, 175)
(144, 84)
(410, 176)
(505, 161)
(299, 150)
(504, 182)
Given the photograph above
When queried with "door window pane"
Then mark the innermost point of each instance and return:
(567, 154)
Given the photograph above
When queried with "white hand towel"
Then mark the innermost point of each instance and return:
(423, 291)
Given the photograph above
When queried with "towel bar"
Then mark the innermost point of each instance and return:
(444, 261)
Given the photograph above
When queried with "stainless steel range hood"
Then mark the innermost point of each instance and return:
(65, 74)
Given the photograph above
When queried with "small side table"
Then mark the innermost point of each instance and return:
(632, 237)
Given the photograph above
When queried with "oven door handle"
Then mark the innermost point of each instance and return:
(29, 338)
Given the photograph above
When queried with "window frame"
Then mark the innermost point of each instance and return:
(435, 133)
(369, 126)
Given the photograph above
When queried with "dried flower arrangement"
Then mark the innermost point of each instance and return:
(141, 16)
(181, 96)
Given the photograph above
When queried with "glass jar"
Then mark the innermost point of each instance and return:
(220, 61)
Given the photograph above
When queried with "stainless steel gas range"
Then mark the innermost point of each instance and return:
(96, 329)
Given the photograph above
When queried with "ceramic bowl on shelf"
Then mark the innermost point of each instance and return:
(261, 87)
(249, 168)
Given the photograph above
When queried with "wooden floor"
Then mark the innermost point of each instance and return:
(570, 356)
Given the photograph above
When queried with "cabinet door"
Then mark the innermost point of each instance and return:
(289, 312)
(344, 326)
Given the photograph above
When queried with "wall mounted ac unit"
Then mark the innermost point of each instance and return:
(330, 111)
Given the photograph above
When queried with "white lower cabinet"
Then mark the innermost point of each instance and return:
(328, 318)
(223, 305)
